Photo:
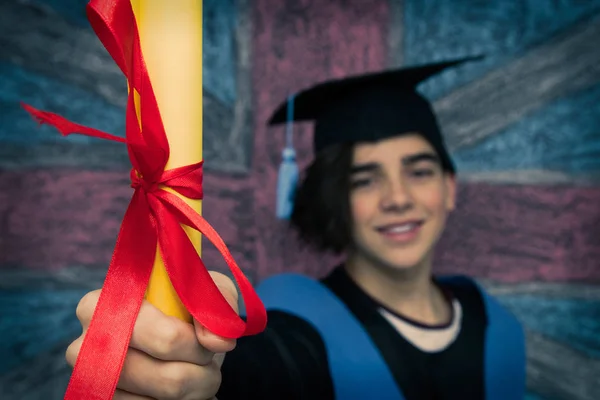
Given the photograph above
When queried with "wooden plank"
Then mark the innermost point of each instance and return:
(439, 29)
(550, 290)
(100, 156)
(43, 42)
(64, 279)
(71, 283)
(559, 372)
(51, 219)
(76, 103)
(532, 177)
(504, 233)
(573, 378)
(33, 321)
(557, 68)
(554, 370)
(25, 144)
(533, 396)
(561, 138)
(572, 322)
(44, 377)
(396, 34)
(523, 233)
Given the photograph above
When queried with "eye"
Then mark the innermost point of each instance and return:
(360, 182)
(420, 173)
(363, 181)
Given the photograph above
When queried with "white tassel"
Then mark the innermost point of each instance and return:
(288, 169)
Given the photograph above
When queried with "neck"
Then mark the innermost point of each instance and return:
(409, 292)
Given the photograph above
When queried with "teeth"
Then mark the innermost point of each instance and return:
(401, 228)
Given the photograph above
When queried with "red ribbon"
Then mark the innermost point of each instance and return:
(154, 216)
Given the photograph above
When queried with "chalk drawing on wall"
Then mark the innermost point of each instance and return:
(523, 128)
(48, 47)
(522, 125)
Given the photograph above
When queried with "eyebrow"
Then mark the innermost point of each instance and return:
(368, 167)
(419, 157)
(406, 161)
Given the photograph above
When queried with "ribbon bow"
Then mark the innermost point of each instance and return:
(154, 217)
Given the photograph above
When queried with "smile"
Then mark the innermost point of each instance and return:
(401, 232)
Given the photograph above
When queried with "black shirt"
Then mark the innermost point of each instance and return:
(289, 361)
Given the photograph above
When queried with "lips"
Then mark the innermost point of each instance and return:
(401, 231)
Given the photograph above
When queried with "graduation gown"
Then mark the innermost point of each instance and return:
(328, 340)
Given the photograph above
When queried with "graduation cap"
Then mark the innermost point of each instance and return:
(362, 108)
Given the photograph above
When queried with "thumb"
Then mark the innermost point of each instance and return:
(207, 339)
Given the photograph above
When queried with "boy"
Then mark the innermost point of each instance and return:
(380, 325)
(379, 190)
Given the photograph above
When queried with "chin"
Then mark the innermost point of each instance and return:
(394, 257)
(400, 260)
(403, 265)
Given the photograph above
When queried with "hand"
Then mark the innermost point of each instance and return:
(167, 358)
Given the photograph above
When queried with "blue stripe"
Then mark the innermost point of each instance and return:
(72, 102)
(35, 321)
(573, 322)
(219, 49)
(561, 137)
(442, 29)
(72, 10)
(534, 396)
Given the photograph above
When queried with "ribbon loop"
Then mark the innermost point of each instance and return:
(153, 218)
(186, 180)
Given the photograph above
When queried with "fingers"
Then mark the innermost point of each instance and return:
(85, 308)
(167, 358)
(150, 378)
(154, 378)
(159, 335)
(167, 338)
(123, 395)
(73, 351)
(207, 339)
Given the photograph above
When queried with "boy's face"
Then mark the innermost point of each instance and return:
(399, 200)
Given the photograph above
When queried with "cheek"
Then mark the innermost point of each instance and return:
(362, 208)
(435, 201)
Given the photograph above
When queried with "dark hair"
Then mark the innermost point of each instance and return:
(321, 214)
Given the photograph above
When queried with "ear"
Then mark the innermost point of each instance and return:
(450, 183)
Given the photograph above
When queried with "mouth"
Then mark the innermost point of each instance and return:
(402, 231)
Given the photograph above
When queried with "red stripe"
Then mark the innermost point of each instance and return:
(57, 218)
(522, 233)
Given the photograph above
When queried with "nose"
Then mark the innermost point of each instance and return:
(396, 196)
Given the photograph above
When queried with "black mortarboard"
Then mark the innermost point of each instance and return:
(370, 107)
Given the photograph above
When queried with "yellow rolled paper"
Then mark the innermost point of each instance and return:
(171, 41)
